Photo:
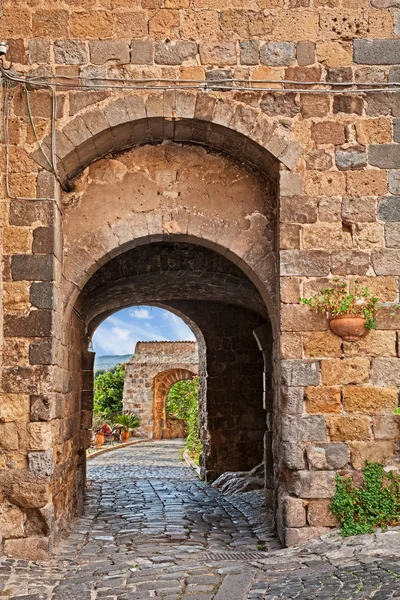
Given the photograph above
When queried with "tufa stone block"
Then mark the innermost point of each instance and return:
(322, 399)
(369, 399)
(386, 372)
(305, 52)
(319, 514)
(345, 371)
(344, 428)
(307, 263)
(378, 451)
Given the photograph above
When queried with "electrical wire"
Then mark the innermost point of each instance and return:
(161, 84)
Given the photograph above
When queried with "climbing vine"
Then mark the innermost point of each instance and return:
(374, 503)
(183, 403)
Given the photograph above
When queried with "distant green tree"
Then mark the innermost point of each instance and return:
(99, 372)
(183, 403)
(108, 391)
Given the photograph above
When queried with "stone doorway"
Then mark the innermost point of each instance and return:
(149, 375)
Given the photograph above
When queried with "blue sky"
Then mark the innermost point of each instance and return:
(119, 333)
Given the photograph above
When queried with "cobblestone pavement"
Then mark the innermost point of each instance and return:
(152, 530)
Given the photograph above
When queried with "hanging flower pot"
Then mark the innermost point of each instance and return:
(349, 327)
(124, 437)
(99, 439)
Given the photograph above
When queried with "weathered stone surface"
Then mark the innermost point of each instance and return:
(103, 51)
(350, 263)
(142, 52)
(389, 208)
(337, 455)
(316, 458)
(319, 515)
(345, 371)
(218, 53)
(352, 158)
(249, 52)
(386, 427)
(385, 156)
(386, 262)
(37, 323)
(290, 184)
(41, 463)
(319, 160)
(326, 236)
(343, 428)
(376, 52)
(70, 52)
(394, 182)
(32, 268)
(312, 428)
(313, 484)
(300, 535)
(44, 408)
(295, 317)
(376, 343)
(41, 295)
(296, 209)
(292, 400)
(369, 399)
(300, 372)
(322, 399)
(313, 105)
(39, 51)
(328, 132)
(310, 263)
(41, 352)
(385, 371)
(392, 235)
(356, 210)
(175, 53)
(278, 54)
(39, 436)
(292, 455)
(322, 345)
(348, 104)
(374, 131)
(274, 104)
(29, 548)
(30, 494)
(14, 407)
(305, 52)
(378, 451)
(291, 345)
(294, 512)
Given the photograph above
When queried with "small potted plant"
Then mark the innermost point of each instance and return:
(126, 423)
(100, 433)
(351, 315)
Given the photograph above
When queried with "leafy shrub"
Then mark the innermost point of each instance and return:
(375, 503)
(127, 422)
(183, 403)
(108, 392)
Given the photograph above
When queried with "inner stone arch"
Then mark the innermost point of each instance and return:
(194, 231)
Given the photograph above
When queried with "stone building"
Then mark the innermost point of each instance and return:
(149, 375)
(219, 158)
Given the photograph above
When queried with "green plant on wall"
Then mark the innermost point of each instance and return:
(374, 503)
(182, 403)
(336, 300)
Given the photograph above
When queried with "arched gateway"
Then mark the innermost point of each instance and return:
(172, 199)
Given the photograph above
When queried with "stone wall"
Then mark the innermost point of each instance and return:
(149, 375)
(298, 95)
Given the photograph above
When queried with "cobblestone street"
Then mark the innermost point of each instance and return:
(152, 529)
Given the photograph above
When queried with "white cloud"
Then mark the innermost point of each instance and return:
(178, 328)
(141, 313)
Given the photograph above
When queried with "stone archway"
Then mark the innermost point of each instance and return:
(162, 383)
(233, 214)
(150, 373)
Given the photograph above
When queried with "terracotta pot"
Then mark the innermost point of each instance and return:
(349, 328)
(99, 440)
(124, 437)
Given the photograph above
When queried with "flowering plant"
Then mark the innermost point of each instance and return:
(336, 300)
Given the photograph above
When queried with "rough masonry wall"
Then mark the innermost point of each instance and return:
(149, 375)
(338, 155)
